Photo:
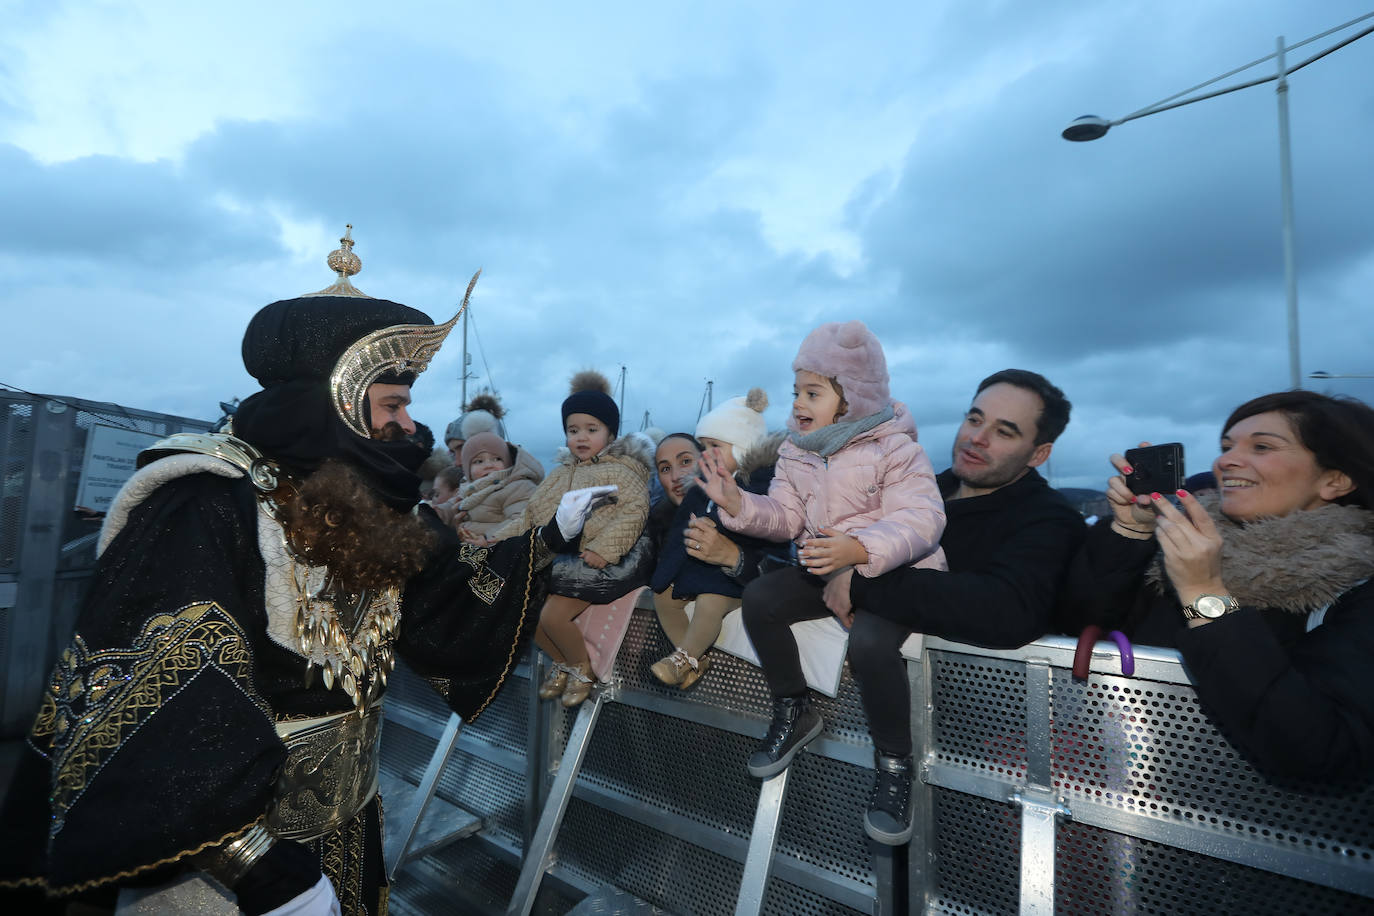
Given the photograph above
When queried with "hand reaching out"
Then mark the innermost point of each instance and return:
(719, 483)
(576, 505)
(448, 512)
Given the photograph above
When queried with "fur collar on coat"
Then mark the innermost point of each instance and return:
(1299, 563)
(635, 446)
(762, 454)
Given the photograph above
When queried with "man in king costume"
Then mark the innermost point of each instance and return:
(218, 709)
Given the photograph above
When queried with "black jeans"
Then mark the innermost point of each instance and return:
(773, 602)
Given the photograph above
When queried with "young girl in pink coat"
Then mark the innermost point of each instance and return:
(852, 489)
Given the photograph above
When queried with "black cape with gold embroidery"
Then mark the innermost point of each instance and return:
(157, 735)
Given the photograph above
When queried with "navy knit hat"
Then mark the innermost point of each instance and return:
(591, 395)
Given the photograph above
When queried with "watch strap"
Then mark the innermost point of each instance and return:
(1229, 604)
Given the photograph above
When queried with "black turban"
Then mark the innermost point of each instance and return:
(291, 347)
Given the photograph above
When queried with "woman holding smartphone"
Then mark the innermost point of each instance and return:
(1264, 586)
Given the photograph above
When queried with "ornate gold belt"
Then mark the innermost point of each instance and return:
(330, 773)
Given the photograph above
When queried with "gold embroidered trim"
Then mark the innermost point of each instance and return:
(519, 627)
(343, 855)
(485, 584)
(124, 688)
(130, 873)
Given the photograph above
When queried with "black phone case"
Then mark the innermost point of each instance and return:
(1156, 468)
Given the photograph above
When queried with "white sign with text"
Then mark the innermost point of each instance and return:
(110, 455)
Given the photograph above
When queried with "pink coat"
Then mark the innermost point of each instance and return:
(879, 488)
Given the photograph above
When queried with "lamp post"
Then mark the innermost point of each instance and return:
(1092, 127)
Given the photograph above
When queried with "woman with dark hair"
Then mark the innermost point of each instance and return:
(1264, 587)
(698, 560)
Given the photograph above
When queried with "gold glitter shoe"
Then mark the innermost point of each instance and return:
(579, 684)
(553, 684)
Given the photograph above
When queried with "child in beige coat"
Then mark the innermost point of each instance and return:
(616, 553)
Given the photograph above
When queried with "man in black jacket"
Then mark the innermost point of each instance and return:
(1009, 539)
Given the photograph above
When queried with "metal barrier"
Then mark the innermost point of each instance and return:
(47, 551)
(1113, 794)
(1039, 793)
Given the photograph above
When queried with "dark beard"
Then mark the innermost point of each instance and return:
(391, 432)
(334, 519)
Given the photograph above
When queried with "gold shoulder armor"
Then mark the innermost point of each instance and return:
(262, 472)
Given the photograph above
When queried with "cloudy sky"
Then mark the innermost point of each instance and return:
(686, 189)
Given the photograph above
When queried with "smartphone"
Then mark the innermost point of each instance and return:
(1155, 468)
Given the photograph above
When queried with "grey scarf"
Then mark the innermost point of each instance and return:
(828, 440)
(1298, 563)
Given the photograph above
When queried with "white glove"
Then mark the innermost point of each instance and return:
(318, 901)
(576, 505)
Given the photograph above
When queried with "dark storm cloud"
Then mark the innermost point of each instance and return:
(1140, 272)
(1143, 271)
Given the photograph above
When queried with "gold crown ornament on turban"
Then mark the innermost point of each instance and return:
(401, 349)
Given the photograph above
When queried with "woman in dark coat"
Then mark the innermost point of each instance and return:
(1264, 587)
(698, 561)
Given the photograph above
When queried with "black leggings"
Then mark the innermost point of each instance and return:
(773, 602)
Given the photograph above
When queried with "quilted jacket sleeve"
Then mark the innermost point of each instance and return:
(913, 514)
(779, 516)
(613, 529)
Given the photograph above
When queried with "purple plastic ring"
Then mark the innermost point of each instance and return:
(1127, 653)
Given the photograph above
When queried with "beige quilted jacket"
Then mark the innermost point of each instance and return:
(501, 496)
(611, 530)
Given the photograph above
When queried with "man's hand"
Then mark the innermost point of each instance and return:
(832, 552)
(594, 559)
(468, 536)
(448, 512)
(576, 505)
(836, 595)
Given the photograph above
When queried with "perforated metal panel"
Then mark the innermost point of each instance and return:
(486, 789)
(1097, 871)
(466, 878)
(977, 845)
(491, 792)
(1146, 747)
(687, 768)
(730, 684)
(16, 442)
(698, 774)
(668, 872)
(979, 717)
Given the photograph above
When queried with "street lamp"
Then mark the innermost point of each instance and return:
(1324, 375)
(1092, 127)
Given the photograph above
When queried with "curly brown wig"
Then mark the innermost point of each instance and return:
(333, 519)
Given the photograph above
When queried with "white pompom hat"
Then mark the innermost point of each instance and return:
(738, 421)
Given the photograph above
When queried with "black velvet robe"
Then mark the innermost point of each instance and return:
(157, 735)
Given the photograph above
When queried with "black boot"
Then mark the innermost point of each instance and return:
(889, 809)
(794, 724)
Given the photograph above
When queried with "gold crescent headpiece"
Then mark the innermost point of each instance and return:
(399, 348)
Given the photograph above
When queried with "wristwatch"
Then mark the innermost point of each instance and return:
(1210, 607)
